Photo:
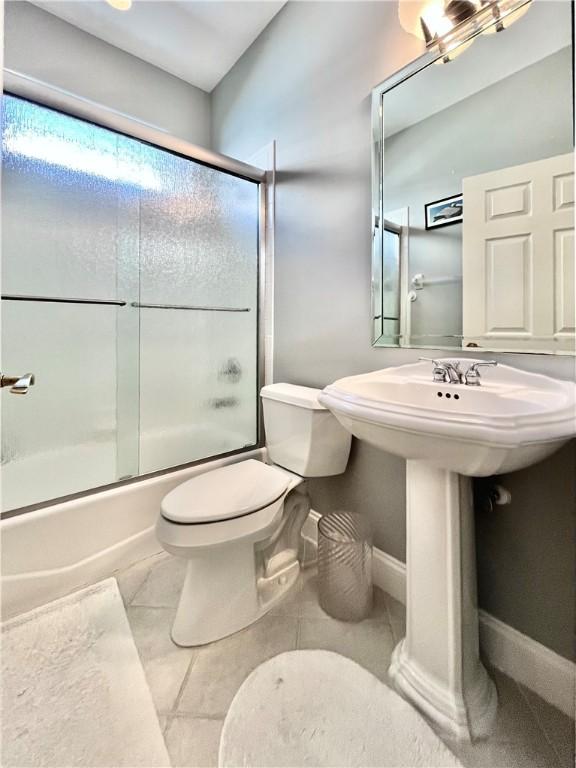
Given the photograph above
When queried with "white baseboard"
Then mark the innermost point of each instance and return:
(389, 574)
(520, 657)
(528, 662)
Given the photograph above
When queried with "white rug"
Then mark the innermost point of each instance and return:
(74, 691)
(316, 708)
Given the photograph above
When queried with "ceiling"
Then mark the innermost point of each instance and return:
(198, 42)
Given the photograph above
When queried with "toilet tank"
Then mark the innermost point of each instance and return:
(301, 435)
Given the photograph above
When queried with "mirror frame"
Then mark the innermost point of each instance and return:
(464, 33)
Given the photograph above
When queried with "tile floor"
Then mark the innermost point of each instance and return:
(193, 687)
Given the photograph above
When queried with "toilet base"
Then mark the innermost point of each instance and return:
(242, 597)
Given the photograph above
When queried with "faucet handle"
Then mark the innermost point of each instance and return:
(439, 372)
(472, 375)
(19, 385)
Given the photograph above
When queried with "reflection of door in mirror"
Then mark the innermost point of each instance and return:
(518, 257)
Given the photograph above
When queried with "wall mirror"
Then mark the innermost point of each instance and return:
(473, 193)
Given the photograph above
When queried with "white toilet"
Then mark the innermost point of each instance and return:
(239, 526)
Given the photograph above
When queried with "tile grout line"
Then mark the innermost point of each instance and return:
(185, 679)
(128, 601)
(166, 728)
(168, 716)
(219, 718)
(140, 588)
(155, 560)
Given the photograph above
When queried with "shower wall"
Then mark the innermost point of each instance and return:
(130, 285)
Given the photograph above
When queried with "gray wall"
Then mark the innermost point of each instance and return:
(43, 46)
(428, 160)
(306, 83)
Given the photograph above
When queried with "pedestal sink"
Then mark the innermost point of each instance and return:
(448, 433)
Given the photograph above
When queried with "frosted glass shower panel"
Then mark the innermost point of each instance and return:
(61, 437)
(198, 340)
(61, 204)
(198, 235)
(198, 385)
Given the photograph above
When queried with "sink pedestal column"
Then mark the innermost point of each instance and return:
(437, 665)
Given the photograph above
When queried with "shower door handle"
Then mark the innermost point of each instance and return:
(19, 385)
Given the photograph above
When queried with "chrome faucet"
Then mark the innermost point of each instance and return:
(448, 371)
(472, 375)
(455, 375)
(438, 371)
(19, 385)
(445, 371)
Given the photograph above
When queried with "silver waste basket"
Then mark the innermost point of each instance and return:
(345, 566)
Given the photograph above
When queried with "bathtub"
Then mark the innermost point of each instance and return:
(53, 551)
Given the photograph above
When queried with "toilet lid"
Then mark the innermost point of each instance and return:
(225, 493)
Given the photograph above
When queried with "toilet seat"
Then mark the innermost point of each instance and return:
(226, 493)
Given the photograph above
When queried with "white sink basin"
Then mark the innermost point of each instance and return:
(513, 419)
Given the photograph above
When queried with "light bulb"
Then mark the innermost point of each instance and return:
(435, 19)
(438, 16)
(120, 5)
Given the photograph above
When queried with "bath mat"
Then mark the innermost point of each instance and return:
(74, 691)
(317, 708)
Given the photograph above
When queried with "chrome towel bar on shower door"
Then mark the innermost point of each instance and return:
(120, 303)
(62, 300)
(142, 305)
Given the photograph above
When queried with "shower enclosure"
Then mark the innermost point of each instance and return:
(130, 289)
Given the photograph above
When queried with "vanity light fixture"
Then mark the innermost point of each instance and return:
(451, 25)
(120, 5)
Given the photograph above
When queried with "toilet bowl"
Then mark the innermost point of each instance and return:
(240, 526)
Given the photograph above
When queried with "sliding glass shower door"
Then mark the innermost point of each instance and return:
(130, 290)
(198, 319)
